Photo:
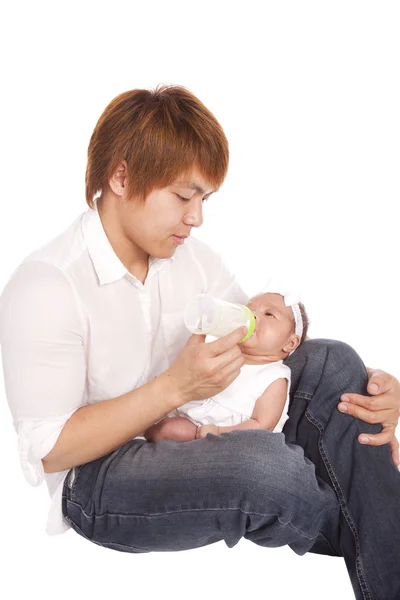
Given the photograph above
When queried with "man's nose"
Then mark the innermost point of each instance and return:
(194, 216)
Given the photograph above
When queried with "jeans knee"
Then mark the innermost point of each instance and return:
(339, 363)
(267, 470)
(335, 350)
(322, 370)
(342, 360)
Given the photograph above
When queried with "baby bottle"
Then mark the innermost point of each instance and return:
(212, 316)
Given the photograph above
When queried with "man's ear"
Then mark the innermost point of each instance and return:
(118, 180)
(292, 344)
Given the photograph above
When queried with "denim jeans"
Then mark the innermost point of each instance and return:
(313, 487)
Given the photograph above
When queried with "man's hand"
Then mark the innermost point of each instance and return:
(203, 370)
(383, 406)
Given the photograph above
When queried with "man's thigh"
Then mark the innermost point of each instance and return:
(178, 495)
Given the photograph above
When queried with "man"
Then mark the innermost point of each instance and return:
(95, 351)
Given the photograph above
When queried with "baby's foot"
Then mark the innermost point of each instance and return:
(172, 428)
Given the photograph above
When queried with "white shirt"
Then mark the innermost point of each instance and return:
(77, 328)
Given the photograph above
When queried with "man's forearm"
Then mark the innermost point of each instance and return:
(97, 429)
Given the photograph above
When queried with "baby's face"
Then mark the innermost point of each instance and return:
(274, 325)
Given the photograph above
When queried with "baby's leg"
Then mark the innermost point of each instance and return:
(172, 428)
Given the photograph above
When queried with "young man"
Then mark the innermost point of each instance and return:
(95, 351)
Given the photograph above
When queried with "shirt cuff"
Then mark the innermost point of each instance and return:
(35, 440)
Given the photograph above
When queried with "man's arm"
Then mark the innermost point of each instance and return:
(97, 429)
(42, 337)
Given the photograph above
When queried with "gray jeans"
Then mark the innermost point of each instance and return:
(313, 487)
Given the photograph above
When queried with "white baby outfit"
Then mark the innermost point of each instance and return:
(236, 403)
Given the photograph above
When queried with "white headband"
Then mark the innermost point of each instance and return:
(291, 298)
(297, 319)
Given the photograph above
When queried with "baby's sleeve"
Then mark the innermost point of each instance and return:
(42, 334)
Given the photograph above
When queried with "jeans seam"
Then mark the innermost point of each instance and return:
(339, 492)
(304, 395)
(187, 510)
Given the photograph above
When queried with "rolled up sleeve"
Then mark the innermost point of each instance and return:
(42, 334)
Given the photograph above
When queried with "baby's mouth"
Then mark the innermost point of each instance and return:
(255, 324)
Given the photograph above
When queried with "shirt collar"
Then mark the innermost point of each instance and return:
(106, 263)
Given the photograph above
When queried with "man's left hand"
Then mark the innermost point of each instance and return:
(383, 406)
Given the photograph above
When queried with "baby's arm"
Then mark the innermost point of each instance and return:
(266, 414)
(270, 405)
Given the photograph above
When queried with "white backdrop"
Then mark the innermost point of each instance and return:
(308, 94)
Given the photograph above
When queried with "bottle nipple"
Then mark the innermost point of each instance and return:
(202, 323)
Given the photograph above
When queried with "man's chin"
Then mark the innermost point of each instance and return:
(164, 255)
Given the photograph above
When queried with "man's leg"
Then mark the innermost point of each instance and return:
(364, 478)
(173, 495)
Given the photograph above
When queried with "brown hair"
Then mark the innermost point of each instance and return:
(161, 134)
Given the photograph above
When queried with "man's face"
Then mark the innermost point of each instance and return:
(161, 224)
(274, 325)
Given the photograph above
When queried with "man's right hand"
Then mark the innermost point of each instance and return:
(203, 370)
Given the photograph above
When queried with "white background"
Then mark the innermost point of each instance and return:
(308, 94)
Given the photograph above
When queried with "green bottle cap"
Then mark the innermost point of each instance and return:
(251, 326)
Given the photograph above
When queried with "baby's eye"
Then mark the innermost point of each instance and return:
(268, 314)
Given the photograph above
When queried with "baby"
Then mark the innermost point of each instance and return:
(259, 397)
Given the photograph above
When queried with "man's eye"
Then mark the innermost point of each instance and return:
(188, 199)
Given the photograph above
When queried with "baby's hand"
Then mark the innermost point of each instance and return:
(204, 429)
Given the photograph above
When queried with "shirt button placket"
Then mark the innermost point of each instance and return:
(146, 308)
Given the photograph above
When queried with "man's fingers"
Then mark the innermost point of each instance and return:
(394, 444)
(380, 402)
(228, 341)
(230, 357)
(366, 414)
(196, 338)
(386, 436)
(373, 403)
(233, 369)
(378, 439)
(379, 382)
(357, 399)
(394, 448)
(230, 372)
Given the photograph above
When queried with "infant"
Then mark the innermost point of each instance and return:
(259, 397)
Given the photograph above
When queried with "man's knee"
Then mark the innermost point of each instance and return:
(342, 364)
(265, 468)
(332, 351)
(327, 360)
